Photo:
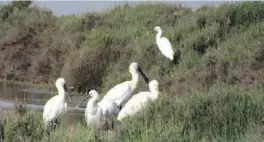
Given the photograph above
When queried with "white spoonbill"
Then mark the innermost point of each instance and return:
(140, 101)
(109, 108)
(165, 47)
(56, 106)
(122, 92)
(93, 112)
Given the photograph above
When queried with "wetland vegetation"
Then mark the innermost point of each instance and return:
(216, 93)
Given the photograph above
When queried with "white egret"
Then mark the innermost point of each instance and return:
(56, 106)
(122, 92)
(165, 47)
(140, 101)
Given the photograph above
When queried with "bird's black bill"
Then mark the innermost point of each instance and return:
(87, 97)
(65, 87)
(143, 75)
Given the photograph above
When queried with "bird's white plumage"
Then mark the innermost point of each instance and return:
(164, 44)
(56, 106)
(165, 47)
(109, 108)
(122, 92)
(93, 112)
(139, 101)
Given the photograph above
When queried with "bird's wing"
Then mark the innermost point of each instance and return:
(108, 108)
(166, 48)
(50, 106)
(115, 109)
(135, 104)
(94, 119)
(118, 93)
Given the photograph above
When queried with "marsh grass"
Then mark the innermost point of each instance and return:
(224, 113)
(21, 124)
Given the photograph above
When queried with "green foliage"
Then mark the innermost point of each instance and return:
(21, 4)
(224, 113)
(246, 13)
(27, 126)
(6, 10)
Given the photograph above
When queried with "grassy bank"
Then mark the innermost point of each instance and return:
(223, 114)
(214, 94)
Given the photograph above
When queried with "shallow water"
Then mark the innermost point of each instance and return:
(35, 98)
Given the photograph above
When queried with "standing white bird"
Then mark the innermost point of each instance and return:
(93, 112)
(140, 101)
(109, 108)
(165, 47)
(56, 106)
(122, 92)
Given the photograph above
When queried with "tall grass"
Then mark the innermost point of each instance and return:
(225, 113)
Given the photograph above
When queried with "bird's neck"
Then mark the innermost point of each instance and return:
(134, 80)
(155, 94)
(61, 91)
(91, 105)
(158, 36)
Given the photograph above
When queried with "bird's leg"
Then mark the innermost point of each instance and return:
(97, 135)
(48, 132)
(48, 127)
(57, 122)
(53, 126)
(163, 65)
(106, 125)
(2, 136)
(171, 64)
(112, 123)
(120, 107)
(163, 58)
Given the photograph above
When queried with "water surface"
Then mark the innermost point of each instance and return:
(35, 98)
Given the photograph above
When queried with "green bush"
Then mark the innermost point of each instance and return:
(23, 125)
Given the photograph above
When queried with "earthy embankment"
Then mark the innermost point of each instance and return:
(95, 49)
(215, 93)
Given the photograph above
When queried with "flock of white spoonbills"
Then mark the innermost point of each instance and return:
(118, 102)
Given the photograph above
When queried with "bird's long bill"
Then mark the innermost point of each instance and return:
(87, 97)
(69, 97)
(65, 88)
(143, 75)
